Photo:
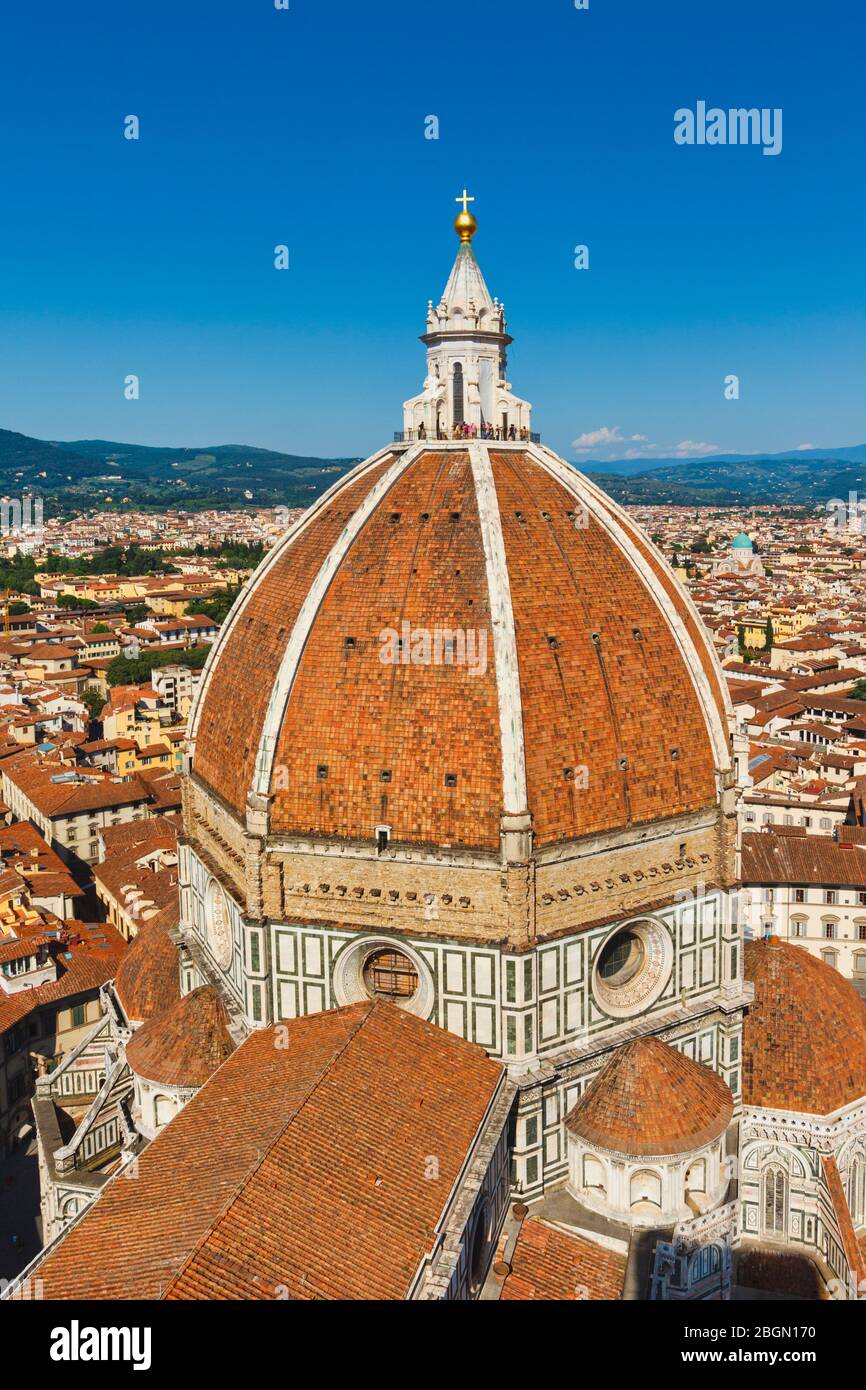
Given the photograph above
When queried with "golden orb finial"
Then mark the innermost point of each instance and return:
(464, 223)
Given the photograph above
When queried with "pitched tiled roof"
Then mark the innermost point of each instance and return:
(184, 1045)
(163, 786)
(84, 974)
(804, 1037)
(130, 883)
(46, 874)
(20, 948)
(135, 838)
(59, 799)
(346, 1132)
(650, 1099)
(552, 1264)
(770, 858)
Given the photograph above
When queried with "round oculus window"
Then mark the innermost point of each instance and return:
(632, 967)
(622, 958)
(379, 968)
(390, 975)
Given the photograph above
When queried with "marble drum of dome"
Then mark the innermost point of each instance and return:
(632, 967)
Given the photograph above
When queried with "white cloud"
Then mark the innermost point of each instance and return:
(692, 448)
(805, 446)
(609, 442)
(593, 439)
(603, 438)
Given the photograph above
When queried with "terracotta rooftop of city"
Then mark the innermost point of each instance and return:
(650, 1099)
(771, 856)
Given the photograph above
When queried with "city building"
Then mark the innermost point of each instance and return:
(741, 561)
(811, 890)
(458, 924)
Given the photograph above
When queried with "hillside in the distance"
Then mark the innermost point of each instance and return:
(101, 473)
(802, 478)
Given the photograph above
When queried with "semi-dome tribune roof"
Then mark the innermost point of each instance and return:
(581, 686)
(804, 1037)
(184, 1046)
(148, 977)
(649, 1099)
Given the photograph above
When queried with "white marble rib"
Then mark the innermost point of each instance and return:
(267, 565)
(294, 651)
(606, 512)
(504, 637)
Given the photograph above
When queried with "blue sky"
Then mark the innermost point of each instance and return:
(306, 127)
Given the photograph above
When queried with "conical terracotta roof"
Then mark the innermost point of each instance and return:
(804, 1037)
(148, 979)
(184, 1046)
(651, 1099)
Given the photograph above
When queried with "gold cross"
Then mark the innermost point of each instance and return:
(464, 199)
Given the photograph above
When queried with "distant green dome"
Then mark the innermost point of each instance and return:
(741, 542)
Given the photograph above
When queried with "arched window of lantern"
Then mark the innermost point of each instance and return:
(704, 1262)
(458, 393)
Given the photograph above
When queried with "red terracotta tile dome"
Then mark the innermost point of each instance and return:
(649, 1099)
(184, 1046)
(589, 697)
(804, 1037)
(148, 980)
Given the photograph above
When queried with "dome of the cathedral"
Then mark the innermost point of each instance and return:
(741, 542)
(184, 1046)
(455, 632)
(649, 1099)
(147, 980)
(804, 1037)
